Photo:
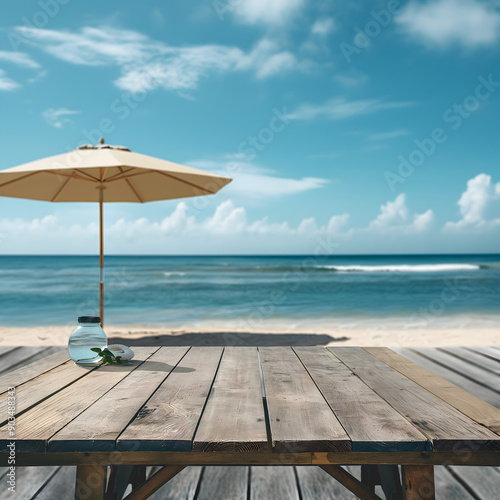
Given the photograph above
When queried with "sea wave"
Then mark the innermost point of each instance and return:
(173, 273)
(404, 268)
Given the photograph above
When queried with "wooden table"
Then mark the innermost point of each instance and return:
(180, 406)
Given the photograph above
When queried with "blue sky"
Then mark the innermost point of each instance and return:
(371, 126)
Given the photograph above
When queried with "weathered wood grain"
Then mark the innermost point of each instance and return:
(350, 482)
(443, 424)
(5, 349)
(490, 366)
(37, 425)
(486, 351)
(154, 482)
(458, 379)
(234, 418)
(21, 356)
(90, 482)
(181, 487)
(483, 481)
(300, 418)
(316, 484)
(447, 487)
(460, 366)
(98, 427)
(273, 482)
(418, 482)
(29, 480)
(21, 375)
(169, 419)
(464, 401)
(36, 390)
(224, 483)
(60, 487)
(459, 457)
(371, 423)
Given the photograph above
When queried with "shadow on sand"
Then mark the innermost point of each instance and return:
(230, 338)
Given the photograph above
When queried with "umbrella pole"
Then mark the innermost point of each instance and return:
(101, 258)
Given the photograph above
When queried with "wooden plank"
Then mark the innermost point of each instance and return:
(461, 456)
(316, 484)
(98, 427)
(486, 351)
(28, 372)
(43, 386)
(467, 403)
(444, 425)
(418, 482)
(183, 486)
(22, 356)
(483, 481)
(6, 349)
(168, 421)
(154, 482)
(59, 486)
(453, 377)
(350, 482)
(491, 366)
(40, 423)
(224, 483)
(29, 480)
(90, 482)
(447, 487)
(461, 367)
(273, 482)
(234, 418)
(299, 417)
(371, 423)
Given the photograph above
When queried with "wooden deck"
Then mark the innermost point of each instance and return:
(475, 369)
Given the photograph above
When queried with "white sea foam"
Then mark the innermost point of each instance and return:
(168, 275)
(404, 268)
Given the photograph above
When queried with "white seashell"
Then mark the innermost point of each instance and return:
(121, 350)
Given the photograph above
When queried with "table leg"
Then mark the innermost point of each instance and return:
(90, 482)
(418, 482)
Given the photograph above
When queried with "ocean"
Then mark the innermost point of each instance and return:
(247, 290)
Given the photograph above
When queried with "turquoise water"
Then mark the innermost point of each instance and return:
(166, 290)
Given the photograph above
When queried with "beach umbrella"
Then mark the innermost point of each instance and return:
(104, 174)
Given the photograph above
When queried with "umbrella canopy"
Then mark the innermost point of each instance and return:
(104, 174)
(112, 172)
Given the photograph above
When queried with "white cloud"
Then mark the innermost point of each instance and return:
(226, 219)
(395, 217)
(383, 136)
(251, 181)
(352, 79)
(267, 59)
(7, 83)
(442, 23)
(478, 201)
(58, 117)
(227, 229)
(323, 27)
(268, 12)
(339, 108)
(18, 58)
(147, 64)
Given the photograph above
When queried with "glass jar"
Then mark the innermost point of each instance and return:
(85, 336)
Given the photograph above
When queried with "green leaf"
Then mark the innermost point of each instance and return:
(96, 349)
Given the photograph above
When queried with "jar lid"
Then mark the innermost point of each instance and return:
(89, 319)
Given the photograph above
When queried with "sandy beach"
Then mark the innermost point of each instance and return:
(465, 330)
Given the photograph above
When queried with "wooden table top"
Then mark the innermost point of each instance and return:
(304, 404)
